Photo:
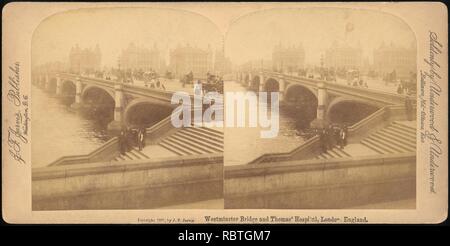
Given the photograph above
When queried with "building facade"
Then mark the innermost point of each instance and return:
(84, 60)
(288, 59)
(184, 60)
(140, 58)
(341, 56)
(390, 58)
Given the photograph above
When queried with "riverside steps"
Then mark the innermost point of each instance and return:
(178, 167)
(376, 168)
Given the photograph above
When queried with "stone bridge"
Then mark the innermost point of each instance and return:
(126, 103)
(328, 99)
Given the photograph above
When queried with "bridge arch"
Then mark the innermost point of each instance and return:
(68, 87)
(99, 104)
(89, 88)
(348, 110)
(254, 83)
(294, 88)
(68, 91)
(246, 78)
(52, 84)
(301, 103)
(271, 85)
(146, 112)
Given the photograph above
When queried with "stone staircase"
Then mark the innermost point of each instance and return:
(398, 137)
(134, 154)
(336, 152)
(194, 141)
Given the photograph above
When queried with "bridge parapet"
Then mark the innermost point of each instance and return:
(122, 94)
(357, 131)
(381, 97)
(107, 151)
(129, 184)
(333, 183)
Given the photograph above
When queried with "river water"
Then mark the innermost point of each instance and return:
(244, 144)
(57, 130)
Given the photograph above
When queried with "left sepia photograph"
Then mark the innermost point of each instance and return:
(103, 86)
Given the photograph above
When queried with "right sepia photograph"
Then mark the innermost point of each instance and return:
(331, 116)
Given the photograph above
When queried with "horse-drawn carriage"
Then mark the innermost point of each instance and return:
(187, 79)
(151, 79)
(213, 84)
(390, 77)
(123, 76)
(169, 75)
(99, 74)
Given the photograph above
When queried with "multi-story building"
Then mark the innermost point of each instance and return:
(84, 60)
(390, 58)
(186, 59)
(342, 56)
(288, 59)
(140, 58)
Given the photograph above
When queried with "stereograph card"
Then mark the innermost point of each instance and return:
(225, 113)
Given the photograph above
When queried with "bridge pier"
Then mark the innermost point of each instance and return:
(58, 86)
(321, 104)
(261, 82)
(78, 103)
(281, 87)
(47, 82)
(117, 123)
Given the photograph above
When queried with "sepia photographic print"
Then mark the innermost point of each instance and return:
(225, 113)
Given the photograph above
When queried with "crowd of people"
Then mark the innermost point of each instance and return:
(212, 83)
(406, 88)
(130, 137)
(129, 76)
(331, 136)
(358, 83)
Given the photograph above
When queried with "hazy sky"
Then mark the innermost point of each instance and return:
(253, 36)
(113, 29)
(250, 37)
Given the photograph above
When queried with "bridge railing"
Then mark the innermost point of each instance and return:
(109, 83)
(310, 147)
(102, 153)
(129, 184)
(142, 90)
(331, 183)
(110, 149)
(351, 91)
(305, 149)
(376, 119)
(162, 128)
